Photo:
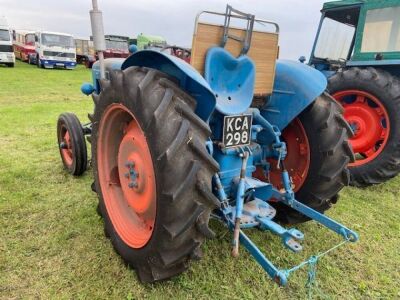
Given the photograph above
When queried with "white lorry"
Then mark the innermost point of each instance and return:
(7, 56)
(55, 50)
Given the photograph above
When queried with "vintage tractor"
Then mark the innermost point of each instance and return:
(173, 144)
(358, 48)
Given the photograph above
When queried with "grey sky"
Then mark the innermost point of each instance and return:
(173, 19)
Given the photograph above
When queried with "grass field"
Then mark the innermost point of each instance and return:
(52, 243)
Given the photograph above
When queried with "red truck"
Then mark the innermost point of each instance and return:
(117, 46)
(24, 44)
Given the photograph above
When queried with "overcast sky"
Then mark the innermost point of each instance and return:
(172, 19)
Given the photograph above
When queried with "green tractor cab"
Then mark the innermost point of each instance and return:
(358, 49)
(145, 41)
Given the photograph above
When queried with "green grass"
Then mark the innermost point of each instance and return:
(52, 243)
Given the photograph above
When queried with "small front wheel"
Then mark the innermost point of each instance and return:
(72, 145)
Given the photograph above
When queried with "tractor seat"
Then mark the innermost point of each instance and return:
(231, 79)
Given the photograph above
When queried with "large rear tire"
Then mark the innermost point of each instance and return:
(156, 232)
(324, 143)
(371, 99)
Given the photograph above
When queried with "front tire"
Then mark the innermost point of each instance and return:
(324, 144)
(152, 172)
(371, 99)
(72, 145)
(39, 63)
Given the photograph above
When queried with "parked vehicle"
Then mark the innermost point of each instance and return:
(7, 56)
(174, 144)
(84, 51)
(24, 44)
(116, 47)
(146, 41)
(54, 50)
(358, 48)
(158, 43)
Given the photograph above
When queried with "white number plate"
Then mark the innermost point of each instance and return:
(237, 130)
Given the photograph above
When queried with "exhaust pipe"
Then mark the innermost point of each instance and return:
(99, 42)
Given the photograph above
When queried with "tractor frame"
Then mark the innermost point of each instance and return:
(241, 201)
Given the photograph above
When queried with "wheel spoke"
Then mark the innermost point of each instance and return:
(360, 99)
(380, 112)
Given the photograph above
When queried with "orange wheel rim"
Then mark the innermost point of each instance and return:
(126, 176)
(370, 122)
(66, 146)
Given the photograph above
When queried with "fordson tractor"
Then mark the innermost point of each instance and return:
(358, 49)
(174, 144)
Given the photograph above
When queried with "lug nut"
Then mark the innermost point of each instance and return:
(130, 164)
(133, 185)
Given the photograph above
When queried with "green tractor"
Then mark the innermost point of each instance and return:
(357, 48)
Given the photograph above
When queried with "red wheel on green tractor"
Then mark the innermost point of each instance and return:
(371, 100)
(317, 153)
(152, 172)
(72, 145)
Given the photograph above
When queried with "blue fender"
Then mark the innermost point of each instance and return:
(188, 78)
(296, 87)
(109, 64)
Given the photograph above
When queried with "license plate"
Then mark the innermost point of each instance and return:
(59, 65)
(237, 130)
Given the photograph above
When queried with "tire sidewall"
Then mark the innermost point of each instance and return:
(63, 121)
(132, 256)
(79, 150)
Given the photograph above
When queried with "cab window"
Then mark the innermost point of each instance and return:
(334, 41)
(382, 30)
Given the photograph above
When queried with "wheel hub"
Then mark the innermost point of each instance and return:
(369, 120)
(126, 176)
(130, 164)
(66, 146)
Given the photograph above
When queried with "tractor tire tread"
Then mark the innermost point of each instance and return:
(387, 88)
(330, 157)
(176, 140)
(79, 164)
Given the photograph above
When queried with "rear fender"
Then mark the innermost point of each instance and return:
(296, 87)
(188, 78)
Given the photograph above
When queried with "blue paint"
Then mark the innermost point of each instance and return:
(229, 185)
(296, 87)
(232, 80)
(133, 48)
(276, 274)
(51, 64)
(188, 78)
(87, 89)
(109, 65)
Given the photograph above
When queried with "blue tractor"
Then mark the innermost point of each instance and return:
(358, 49)
(236, 135)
